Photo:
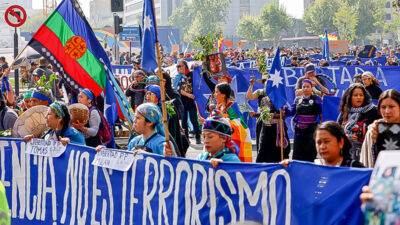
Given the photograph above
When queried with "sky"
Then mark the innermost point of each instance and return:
(38, 4)
(293, 7)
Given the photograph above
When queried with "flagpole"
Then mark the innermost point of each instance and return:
(12, 64)
(281, 126)
(162, 84)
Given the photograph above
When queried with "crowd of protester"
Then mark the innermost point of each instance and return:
(347, 142)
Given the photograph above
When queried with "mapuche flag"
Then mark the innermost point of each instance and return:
(68, 42)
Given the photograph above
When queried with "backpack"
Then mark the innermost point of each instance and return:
(104, 128)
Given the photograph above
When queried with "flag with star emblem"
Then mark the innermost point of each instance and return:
(149, 32)
(275, 88)
(68, 42)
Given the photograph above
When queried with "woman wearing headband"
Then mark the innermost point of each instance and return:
(148, 124)
(91, 128)
(217, 141)
(57, 119)
(306, 110)
(153, 95)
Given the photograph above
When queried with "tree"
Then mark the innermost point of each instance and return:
(250, 28)
(320, 16)
(209, 16)
(380, 18)
(364, 10)
(182, 18)
(199, 18)
(346, 21)
(275, 20)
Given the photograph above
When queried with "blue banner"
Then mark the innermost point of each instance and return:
(342, 76)
(158, 190)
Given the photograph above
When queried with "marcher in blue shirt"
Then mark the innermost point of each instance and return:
(148, 124)
(57, 120)
(217, 141)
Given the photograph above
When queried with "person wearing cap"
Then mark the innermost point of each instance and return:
(306, 109)
(136, 91)
(267, 132)
(218, 144)
(212, 102)
(41, 96)
(27, 99)
(318, 82)
(57, 119)
(7, 115)
(91, 128)
(371, 84)
(258, 94)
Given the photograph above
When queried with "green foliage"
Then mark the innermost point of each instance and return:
(207, 44)
(46, 85)
(274, 20)
(346, 21)
(265, 114)
(6, 133)
(320, 16)
(250, 28)
(199, 18)
(262, 66)
(170, 107)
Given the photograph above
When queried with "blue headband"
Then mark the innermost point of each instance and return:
(57, 109)
(89, 94)
(41, 97)
(156, 90)
(307, 81)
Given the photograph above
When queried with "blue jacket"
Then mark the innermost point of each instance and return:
(225, 154)
(75, 136)
(154, 142)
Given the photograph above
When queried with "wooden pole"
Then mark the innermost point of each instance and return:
(162, 84)
(12, 64)
(281, 123)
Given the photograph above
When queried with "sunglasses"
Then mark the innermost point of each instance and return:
(178, 66)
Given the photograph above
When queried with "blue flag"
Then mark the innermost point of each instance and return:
(275, 89)
(149, 61)
(325, 52)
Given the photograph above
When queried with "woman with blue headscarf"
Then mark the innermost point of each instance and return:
(153, 94)
(91, 128)
(57, 119)
(148, 124)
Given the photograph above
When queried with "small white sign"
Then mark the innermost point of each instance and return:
(114, 159)
(49, 148)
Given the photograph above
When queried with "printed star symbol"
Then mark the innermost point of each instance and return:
(276, 78)
(147, 23)
(390, 145)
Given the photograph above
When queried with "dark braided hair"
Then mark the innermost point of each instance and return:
(66, 119)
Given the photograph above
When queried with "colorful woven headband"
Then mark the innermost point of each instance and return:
(57, 109)
(307, 81)
(218, 125)
(88, 93)
(41, 97)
